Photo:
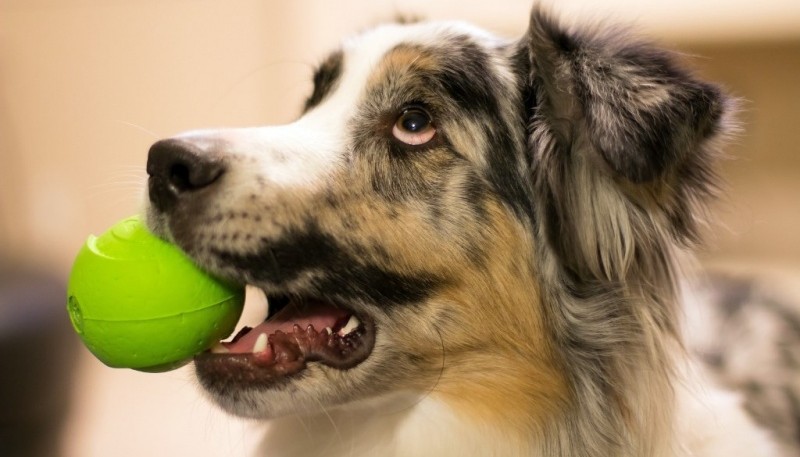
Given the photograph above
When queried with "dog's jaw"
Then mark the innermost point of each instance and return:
(401, 424)
(275, 352)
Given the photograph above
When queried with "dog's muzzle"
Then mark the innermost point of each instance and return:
(185, 174)
(177, 169)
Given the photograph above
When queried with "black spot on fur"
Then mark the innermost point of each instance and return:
(336, 272)
(478, 93)
(325, 78)
(505, 174)
(735, 293)
(475, 194)
(466, 76)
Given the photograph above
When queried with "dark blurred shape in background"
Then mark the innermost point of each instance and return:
(37, 357)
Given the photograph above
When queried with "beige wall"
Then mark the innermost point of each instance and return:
(760, 212)
(87, 85)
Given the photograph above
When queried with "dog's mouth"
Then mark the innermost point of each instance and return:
(297, 331)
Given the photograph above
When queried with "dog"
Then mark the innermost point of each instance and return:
(470, 246)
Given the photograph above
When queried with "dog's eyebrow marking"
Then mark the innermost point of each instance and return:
(399, 62)
(460, 76)
(325, 78)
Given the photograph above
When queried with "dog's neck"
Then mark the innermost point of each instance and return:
(399, 425)
(425, 426)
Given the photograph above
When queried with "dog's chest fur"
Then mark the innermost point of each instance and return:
(401, 426)
(712, 424)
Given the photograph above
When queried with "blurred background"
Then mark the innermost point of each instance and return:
(87, 85)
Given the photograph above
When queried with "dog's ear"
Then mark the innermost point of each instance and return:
(622, 141)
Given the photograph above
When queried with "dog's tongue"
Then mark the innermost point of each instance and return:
(312, 312)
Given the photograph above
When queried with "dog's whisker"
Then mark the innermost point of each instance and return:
(251, 73)
(141, 128)
(433, 386)
(123, 184)
(129, 181)
(306, 428)
(127, 190)
(337, 432)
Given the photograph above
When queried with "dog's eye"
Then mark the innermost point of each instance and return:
(414, 127)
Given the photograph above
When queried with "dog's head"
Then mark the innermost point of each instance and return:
(484, 220)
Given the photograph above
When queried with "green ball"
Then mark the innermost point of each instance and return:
(139, 302)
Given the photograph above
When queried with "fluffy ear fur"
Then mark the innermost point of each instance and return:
(621, 143)
(622, 140)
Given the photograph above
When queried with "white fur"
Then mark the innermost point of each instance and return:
(709, 422)
(400, 426)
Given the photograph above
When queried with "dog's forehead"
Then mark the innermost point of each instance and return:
(362, 54)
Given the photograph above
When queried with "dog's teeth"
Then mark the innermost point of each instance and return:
(328, 330)
(351, 325)
(219, 349)
(261, 343)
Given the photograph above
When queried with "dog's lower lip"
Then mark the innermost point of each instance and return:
(288, 353)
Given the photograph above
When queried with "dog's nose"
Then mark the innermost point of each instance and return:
(178, 167)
